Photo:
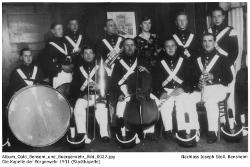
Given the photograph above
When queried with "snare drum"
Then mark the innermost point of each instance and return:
(38, 116)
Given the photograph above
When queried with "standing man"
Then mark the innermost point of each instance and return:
(173, 86)
(226, 36)
(74, 39)
(211, 77)
(110, 44)
(227, 45)
(108, 47)
(57, 63)
(185, 39)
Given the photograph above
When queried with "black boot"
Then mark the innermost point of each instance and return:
(167, 134)
(211, 137)
(151, 136)
(105, 139)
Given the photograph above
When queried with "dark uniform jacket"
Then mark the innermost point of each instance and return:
(53, 59)
(120, 71)
(148, 50)
(79, 79)
(74, 36)
(17, 82)
(185, 39)
(136, 79)
(220, 70)
(177, 63)
(102, 49)
(228, 42)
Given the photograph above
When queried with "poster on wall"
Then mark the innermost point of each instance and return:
(125, 22)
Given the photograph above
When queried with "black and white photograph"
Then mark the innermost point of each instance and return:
(114, 77)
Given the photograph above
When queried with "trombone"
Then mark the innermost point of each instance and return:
(99, 95)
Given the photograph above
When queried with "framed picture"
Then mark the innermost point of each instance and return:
(125, 22)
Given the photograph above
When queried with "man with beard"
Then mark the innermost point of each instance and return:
(127, 72)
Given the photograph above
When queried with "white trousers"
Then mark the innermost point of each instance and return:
(120, 108)
(213, 94)
(186, 114)
(62, 78)
(101, 115)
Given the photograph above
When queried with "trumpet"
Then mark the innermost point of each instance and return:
(202, 89)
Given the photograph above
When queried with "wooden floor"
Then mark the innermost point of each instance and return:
(160, 145)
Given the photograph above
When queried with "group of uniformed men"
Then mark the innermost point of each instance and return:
(184, 71)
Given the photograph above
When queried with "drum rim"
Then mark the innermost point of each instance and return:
(68, 122)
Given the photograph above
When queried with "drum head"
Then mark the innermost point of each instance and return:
(38, 115)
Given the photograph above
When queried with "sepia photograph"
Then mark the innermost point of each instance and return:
(124, 77)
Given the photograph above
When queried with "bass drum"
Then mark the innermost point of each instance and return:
(64, 89)
(38, 116)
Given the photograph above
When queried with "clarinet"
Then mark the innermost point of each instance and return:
(202, 90)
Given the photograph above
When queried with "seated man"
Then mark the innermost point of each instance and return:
(85, 87)
(125, 80)
(172, 85)
(211, 75)
(26, 74)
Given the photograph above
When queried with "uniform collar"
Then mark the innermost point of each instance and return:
(179, 31)
(108, 36)
(27, 68)
(126, 57)
(88, 64)
(57, 39)
(209, 55)
(220, 27)
(71, 33)
(167, 57)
